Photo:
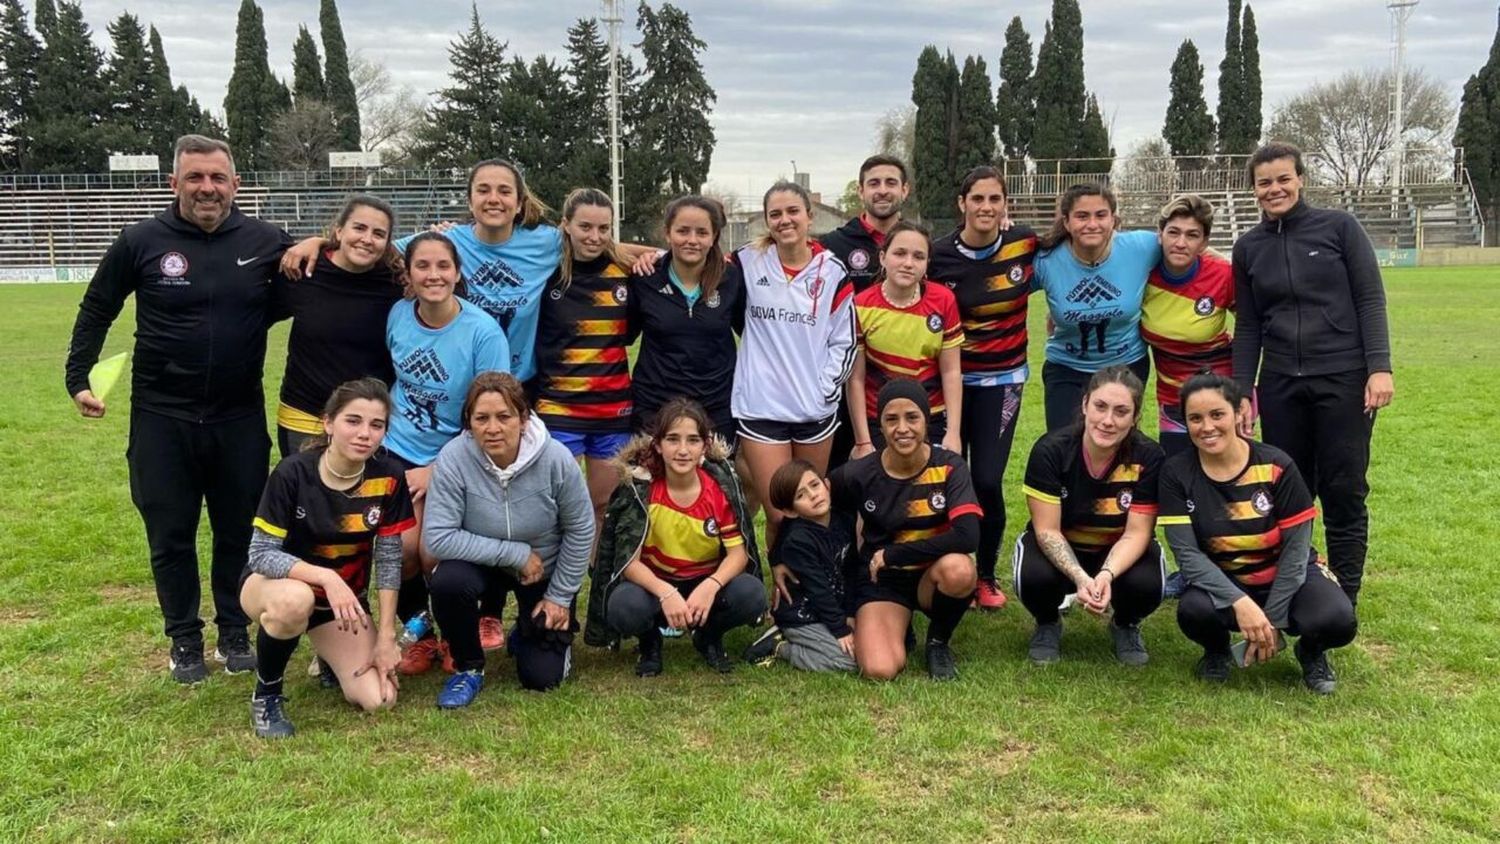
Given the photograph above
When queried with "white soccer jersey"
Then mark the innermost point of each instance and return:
(798, 344)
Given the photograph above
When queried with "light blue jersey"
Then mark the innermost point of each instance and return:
(506, 281)
(434, 367)
(1097, 310)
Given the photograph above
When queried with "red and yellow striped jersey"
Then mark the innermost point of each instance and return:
(1094, 510)
(992, 293)
(1186, 323)
(686, 543)
(583, 367)
(906, 342)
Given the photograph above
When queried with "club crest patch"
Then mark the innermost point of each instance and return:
(1124, 499)
(621, 293)
(1204, 306)
(1261, 501)
(174, 265)
(713, 300)
(372, 515)
(1016, 274)
(937, 501)
(859, 259)
(934, 323)
(711, 526)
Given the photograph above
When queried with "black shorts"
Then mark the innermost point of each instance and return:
(771, 432)
(322, 613)
(898, 586)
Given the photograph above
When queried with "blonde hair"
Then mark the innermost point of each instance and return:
(1188, 205)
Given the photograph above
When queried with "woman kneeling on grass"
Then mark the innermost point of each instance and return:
(1092, 488)
(1239, 519)
(921, 523)
(673, 552)
(507, 511)
(328, 517)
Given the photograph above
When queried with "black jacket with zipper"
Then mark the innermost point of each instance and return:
(686, 349)
(1309, 297)
(203, 304)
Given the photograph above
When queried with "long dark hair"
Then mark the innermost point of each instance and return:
(666, 417)
(371, 389)
(713, 263)
(436, 237)
(1209, 380)
(1059, 231)
(391, 259)
(1117, 374)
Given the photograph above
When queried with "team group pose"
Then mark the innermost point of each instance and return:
(461, 420)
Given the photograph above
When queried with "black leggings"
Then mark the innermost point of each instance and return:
(1319, 421)
(1041, 587)
(1320, 614)
(542, 656)
(1063, 386)
(633, 611)
(989, 429)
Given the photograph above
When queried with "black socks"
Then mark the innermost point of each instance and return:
(945, 614)
(271, 656)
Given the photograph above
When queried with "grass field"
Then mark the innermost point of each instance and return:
(97, 743)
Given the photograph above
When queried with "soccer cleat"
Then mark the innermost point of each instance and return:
(327, 678)
(1130, 649)
(1174, 586)
(1046, 644)
(762, 651)
(269, 718)
(988, 596)
(649, 662)
(234, 651)
(491, 634)
(461, 689)
(1213, 667)
(186, 661)
(940, 663)
(711, 648)
(420, 657)
(1317, 674)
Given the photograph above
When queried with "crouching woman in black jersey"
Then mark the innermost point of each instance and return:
(1238, 517)
(329, 517)
(1092, 491)
(921, 523)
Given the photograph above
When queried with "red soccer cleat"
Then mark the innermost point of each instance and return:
(988, 596)
(491, 634)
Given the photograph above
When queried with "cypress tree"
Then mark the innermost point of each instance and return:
(1189, 130)
(307, 72)
(1231, 86)
(132, 111)
(254, 98)
(464, 124)
(1015, 106)
(341, 96)
(587, 103)
(676, 98)
(175, 112)
(1061, 98)
(71, 102)
(20, 53)
(46, 18)
(931, 167)
(1478, 131)
(1096, 155)
(975, 120)
(1250, 96)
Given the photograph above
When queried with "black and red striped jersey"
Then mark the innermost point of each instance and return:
(898, 511)
(1094, 509)
(992, 286)
(583, 364)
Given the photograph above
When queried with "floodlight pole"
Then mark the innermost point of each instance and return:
(612, 20)
(1400, 11)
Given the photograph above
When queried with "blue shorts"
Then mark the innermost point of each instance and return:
(592, 446)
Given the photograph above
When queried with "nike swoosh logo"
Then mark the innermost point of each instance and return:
(243, 261)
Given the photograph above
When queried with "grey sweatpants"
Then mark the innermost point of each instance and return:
(811, 647)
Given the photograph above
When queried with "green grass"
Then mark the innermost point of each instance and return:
(96, 743)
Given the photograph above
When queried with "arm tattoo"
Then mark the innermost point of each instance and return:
(1060, 554)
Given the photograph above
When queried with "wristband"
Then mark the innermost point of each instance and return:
(865, 442)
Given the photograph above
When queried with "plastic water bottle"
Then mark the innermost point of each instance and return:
(415, 628)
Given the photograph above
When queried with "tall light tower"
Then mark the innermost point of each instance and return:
(1401, 11)
(612, 20)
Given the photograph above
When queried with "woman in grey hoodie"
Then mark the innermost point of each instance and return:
(507, 511)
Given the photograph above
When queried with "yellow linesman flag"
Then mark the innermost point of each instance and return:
(106, 374)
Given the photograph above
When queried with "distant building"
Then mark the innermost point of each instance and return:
(745, 226)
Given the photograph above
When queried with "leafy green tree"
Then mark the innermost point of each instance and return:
(1189, 130)
(587, 106)
(71, 102)
(465, 124)
(46, 18)
(254, 97)
(975, 118)
(1015, 103)
(20, 54)
(307, 71)
(341, 94)
(675, 99)
(539, 134)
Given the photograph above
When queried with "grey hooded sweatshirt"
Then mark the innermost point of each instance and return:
(478, 512)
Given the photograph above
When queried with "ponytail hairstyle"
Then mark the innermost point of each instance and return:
(903, 226)
(1117, 374)
(532, 211)
(666, 417)
(372, 389)
(579, 198)
(713, 263)
(783, 186)
(392, 258)
(1058, 234)
(435, 237)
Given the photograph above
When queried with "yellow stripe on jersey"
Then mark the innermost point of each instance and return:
(932, 475)
(600, 327)
(582, 356)
(300, 421)
(279, 533)
(918, 535)
(569, 385)
(1039, 495)
(1125, 473)
(1260, 473)
(1239, 510)
(375, 488)
(918, 508)
(1174, 520)
(1107, 507)
(353, 523)
(1167, 314)
(1250, 542)
(330, 552)
(1015, 249)
(605, 299)
(996, 309)
(679, 538)
(891, 331)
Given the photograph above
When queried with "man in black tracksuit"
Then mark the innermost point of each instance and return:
(201, 273)
(1311, 320)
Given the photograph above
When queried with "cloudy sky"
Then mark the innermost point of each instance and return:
(806, 80)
